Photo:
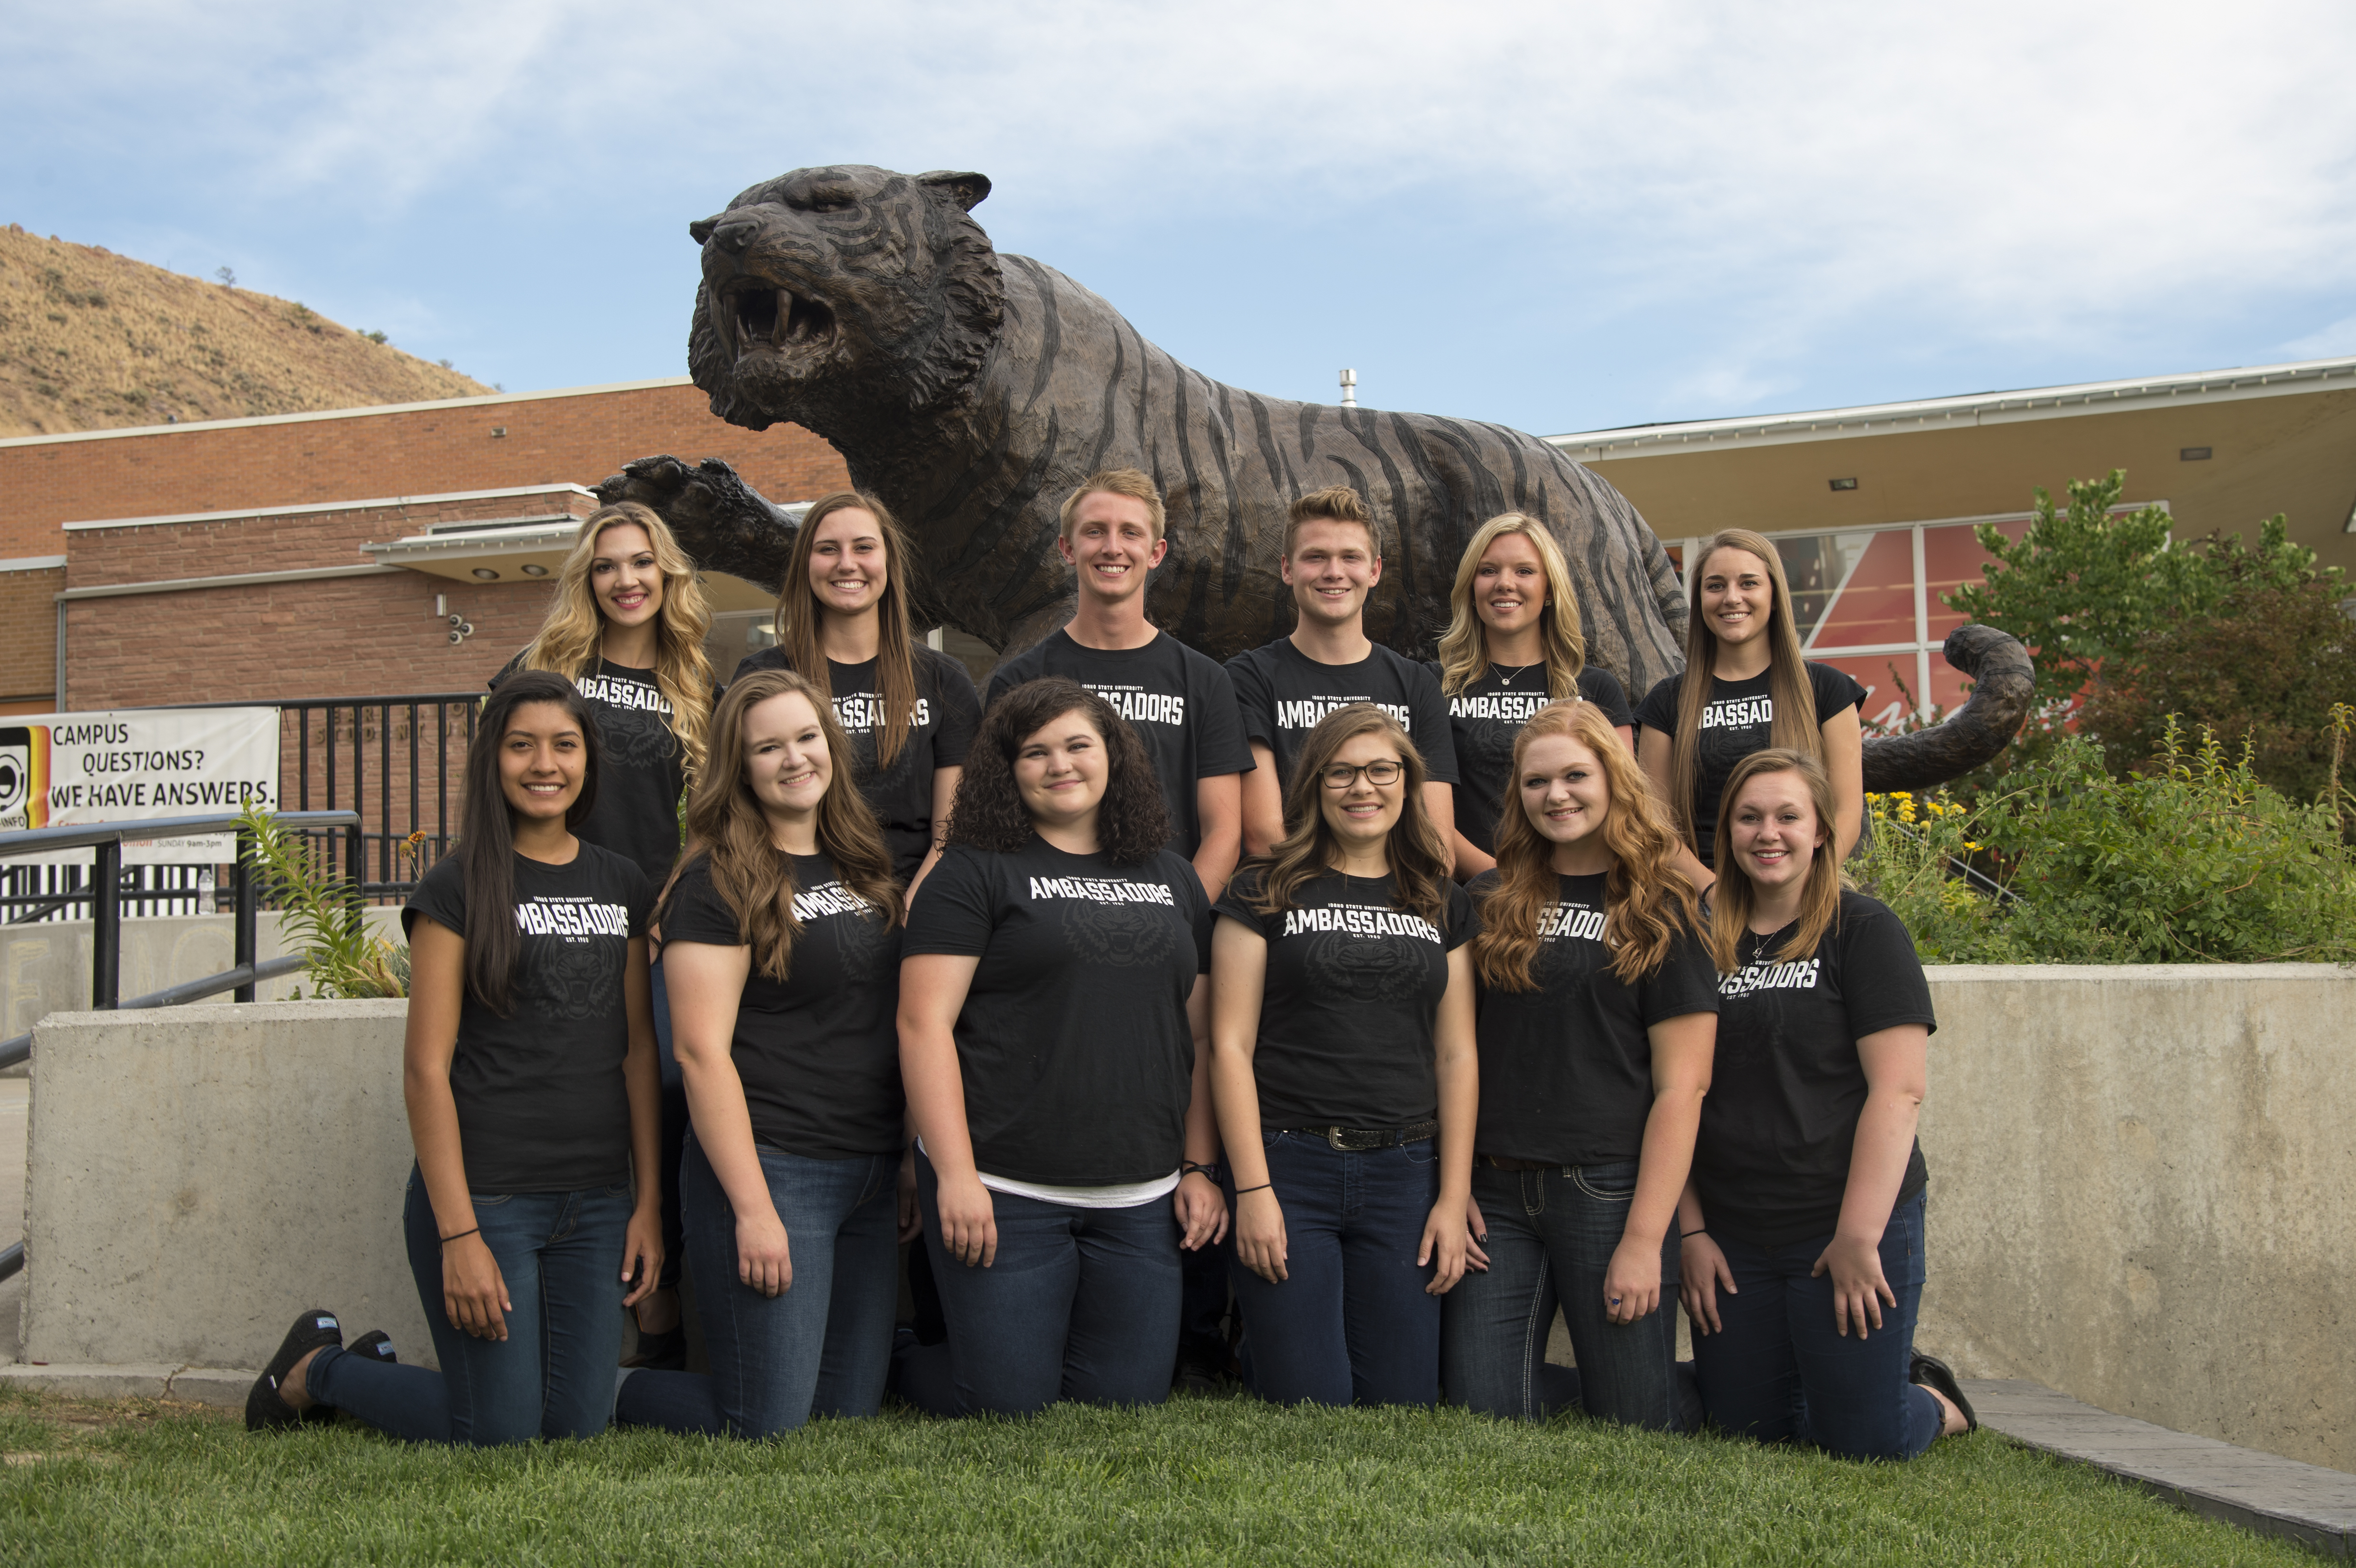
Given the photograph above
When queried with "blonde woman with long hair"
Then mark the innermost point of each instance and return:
(1343, 1066)
(1513, 646)
(910, 710)
(1746, 687)
(1598, 1019)
(1802, 1224)
(627, 627)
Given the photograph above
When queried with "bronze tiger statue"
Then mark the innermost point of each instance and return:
(971, 391)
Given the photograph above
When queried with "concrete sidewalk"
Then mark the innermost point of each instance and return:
(2261, 1492)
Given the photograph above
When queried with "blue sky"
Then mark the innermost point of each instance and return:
(1558, 216)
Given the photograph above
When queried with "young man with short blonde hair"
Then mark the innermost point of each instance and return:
(1333, 560)
(1180, 703)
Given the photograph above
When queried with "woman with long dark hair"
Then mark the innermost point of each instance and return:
(1513, 646)
(1746, 687)
(910, 710)
(1599, 1007)
(782, 934)
(531, 1080)
(1802, 1221)
(1051, 1010)
(1344, 1061)
(627, 627)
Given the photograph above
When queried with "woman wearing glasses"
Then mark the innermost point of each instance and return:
(1342, 1067)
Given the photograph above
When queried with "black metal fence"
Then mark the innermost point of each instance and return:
(395, 761)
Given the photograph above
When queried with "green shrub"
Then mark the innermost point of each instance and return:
(340, 956)
(2196, 861)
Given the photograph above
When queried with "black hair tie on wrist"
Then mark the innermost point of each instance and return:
(1697, 1231)
(1261, 1188)
(462, 1235)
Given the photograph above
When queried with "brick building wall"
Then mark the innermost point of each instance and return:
(574, 437)
(327, 637)
(28, 637)
(318, 637)
(352, 636)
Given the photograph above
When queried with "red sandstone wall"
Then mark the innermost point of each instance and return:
(574, 439)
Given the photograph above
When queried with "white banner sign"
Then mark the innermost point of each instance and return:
(65, 770)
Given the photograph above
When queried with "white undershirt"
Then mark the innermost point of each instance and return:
(1122, 1195)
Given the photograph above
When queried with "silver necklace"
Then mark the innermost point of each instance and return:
(1504, 679)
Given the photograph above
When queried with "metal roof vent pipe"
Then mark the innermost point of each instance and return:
(1349, 388)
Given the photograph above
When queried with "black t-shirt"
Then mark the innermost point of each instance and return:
(1179, 703)
(541, 1105)
(939, 732)
(1282, 693)
(1353, 989)
(1738, 718)
(1484, 721)
(1780, 1124)
(1567, 1067)
(641, 773)
(818, 1051)
(1077, 1061)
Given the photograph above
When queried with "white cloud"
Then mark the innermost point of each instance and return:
(2028, 175)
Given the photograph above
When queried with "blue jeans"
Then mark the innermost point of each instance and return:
(1081, 1303)
(1778, 1369)
(1351, 1320)
(553, 1376)
(1552, 1236)
(823, 1345)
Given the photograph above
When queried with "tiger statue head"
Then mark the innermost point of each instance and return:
(832, 297)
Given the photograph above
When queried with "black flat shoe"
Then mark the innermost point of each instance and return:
(377, 1344)
(265, 1410)
(1930, 1372)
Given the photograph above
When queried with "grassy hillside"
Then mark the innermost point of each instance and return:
(90, 340)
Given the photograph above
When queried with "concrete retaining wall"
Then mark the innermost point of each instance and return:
(2142, 1189)
(198, 1175)
(45, 968)
(2143, 1193)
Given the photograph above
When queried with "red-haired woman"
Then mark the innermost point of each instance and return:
(1598, 1014)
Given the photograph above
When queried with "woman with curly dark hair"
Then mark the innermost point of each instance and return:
(1344, 1060)
(1051, 1020)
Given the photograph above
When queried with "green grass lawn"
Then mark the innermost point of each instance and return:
(1200, 1480)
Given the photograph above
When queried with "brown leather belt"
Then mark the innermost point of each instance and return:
(1507, 1162)
(1359, 1140)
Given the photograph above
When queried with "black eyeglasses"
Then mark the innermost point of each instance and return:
(1341, 775)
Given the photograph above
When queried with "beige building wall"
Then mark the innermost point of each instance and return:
(2288, 447)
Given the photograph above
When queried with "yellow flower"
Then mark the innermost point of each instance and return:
(1970, 845)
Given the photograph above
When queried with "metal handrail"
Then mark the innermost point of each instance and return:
(106, 909)
(42, 840)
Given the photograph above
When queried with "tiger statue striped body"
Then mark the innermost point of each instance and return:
(971, 391)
